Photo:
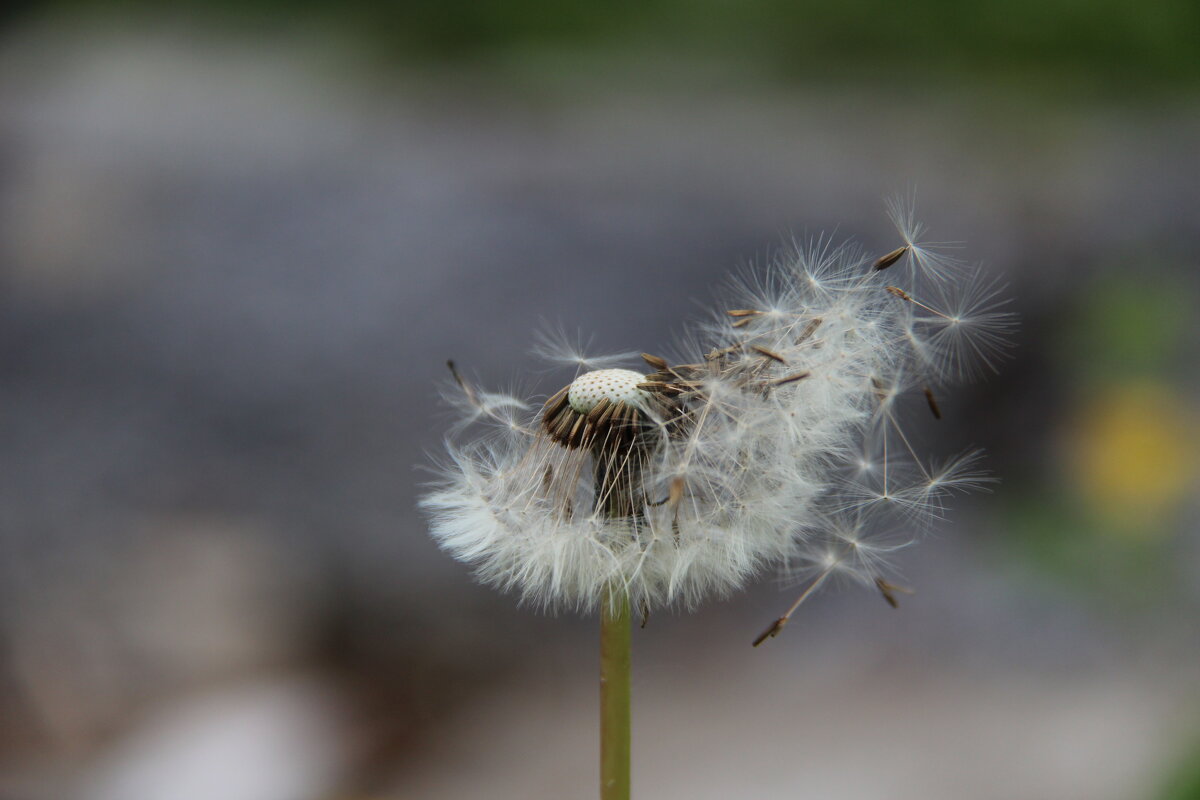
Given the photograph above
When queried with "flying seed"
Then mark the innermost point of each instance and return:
(933, 403)
(891, 258)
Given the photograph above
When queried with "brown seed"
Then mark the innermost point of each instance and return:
(795, 376)
(555, 404)
(565, 423)
(462, 384)
(631, 416)
(598, 410)
(620, 418)
(454, 371)
(654, 361)
(606, 416)
(808, 329)
(768, 353)
(888, 590)
(896, 290)
(561, 394)
(741, 323)
(724, 351)
(552, 419)
(891, 258)
(933, 403)
(577, 430)
(743, 312)
(772, 630)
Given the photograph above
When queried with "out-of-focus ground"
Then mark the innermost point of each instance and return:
(232, 269)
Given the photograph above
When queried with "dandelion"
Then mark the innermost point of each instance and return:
(773, 440)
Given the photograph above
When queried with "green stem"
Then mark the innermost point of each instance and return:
(615, 696)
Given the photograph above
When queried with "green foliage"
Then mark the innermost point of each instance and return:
(1102, 45)
(1059, 539)
(1184, 781)
(1126, 326)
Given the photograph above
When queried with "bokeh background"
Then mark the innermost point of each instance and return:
(238, 242)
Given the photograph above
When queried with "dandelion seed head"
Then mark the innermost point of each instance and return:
(775, 439)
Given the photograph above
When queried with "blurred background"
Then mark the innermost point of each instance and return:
(238, 242)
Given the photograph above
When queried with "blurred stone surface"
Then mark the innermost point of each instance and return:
(277, 740)
(810, 721)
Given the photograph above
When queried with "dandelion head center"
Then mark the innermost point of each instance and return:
(614, 385)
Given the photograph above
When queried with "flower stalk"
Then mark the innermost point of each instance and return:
(615, 696)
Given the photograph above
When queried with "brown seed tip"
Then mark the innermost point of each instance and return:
(896, 290)
(891, 258)
(654, 361)
(772, 631)
(743, 312)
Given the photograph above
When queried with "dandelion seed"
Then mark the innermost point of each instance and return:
(925, 258)
(969, 326)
